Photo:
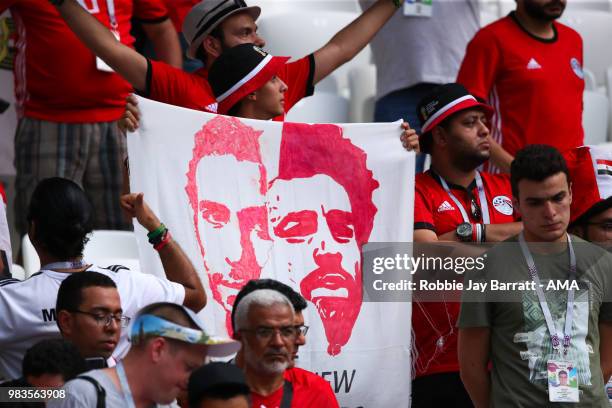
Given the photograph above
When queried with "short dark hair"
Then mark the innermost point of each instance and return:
(536, 163)
(216, 381)
(63, 216)
(53, 356)
(225, 392)
(200, 53)
(297, 300)
(70, 293)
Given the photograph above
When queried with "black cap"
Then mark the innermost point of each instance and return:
(239, 71)
(212, 378)
(443, 101)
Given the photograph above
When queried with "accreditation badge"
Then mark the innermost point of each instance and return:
(418, 8)
(562, 381)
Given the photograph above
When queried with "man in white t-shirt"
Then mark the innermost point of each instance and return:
(60, 217)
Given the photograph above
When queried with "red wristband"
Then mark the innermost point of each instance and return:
(167, 237)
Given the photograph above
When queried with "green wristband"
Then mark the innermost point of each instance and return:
(397, 3)
(156, 232)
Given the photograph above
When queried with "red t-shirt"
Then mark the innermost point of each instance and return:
(178, 9)
(535, 85)
(309, 390)
(434, 323)
(56, 78)
(191, 90)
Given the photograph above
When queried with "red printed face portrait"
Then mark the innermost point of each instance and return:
(321, 213)
(306, 225)
(230, 223)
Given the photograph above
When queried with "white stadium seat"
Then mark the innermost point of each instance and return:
(104, 247)
(322, 107)
(595, 118)
(297, 32)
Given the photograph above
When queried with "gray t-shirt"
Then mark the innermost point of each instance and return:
(81, 393)
(411, 50)
(520, 341)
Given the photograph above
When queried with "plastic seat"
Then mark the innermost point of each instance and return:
(595, 118)
(362, 85)
(104, 247)
(322, 107)
(297, 32)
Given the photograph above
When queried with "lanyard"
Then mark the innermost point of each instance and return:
(110, 5)
(125, 387)
(569, 315)
(64, 265)
(484, 206)
(287, 395)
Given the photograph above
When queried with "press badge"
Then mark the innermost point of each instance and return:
(100, 64)
(562, 381)
(418, 8)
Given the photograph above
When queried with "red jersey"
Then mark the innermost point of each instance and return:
(56, 78)
(434, 323)
(309, 390)
(535, 85)
(191, 90)
(177, 10)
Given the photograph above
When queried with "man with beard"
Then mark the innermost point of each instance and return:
(265, 328)
(453, 202)
(518, 63)
(318, 237)
(210, 28)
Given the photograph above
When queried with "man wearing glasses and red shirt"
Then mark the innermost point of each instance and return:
(453, 202)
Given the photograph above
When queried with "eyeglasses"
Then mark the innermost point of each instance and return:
(301, 330)
(266, 333)
(106, 319)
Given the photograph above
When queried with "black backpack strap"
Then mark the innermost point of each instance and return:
(287, 395)
(101, 392)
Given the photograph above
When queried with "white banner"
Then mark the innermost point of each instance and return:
(296, 202)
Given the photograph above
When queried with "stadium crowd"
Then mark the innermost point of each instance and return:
(498, 110)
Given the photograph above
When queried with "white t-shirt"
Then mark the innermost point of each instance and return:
(27, 308)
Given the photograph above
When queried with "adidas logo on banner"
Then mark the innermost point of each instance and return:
(533, 64)
(445, 206)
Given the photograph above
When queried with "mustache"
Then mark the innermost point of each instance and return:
(275, 352)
